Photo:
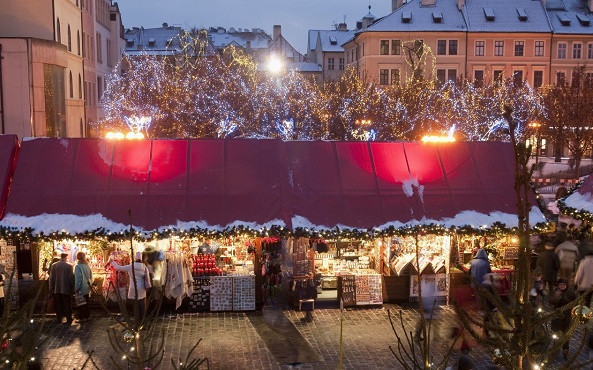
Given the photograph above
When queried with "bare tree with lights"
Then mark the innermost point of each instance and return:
(571, 115)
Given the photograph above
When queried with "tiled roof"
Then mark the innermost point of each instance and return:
(332, 40)
(506, 16)
(153, 39)
(221, 37)
(570, 16)
(412, 16)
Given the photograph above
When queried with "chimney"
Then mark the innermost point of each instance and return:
(461, 3)
(165, 25)
(277, 31)
(428, 2)
(396, 4)
(344, 26)
(590, 3)
(248, 47)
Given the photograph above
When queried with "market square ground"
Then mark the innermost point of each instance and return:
(232, 340)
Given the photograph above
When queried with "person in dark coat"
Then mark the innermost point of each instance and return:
(562, 296)
(479, 267)
(549, 263)
(61, 285)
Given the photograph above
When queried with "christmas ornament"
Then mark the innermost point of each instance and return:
(582, 313)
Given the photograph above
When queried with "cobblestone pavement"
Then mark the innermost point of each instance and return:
(231, 342)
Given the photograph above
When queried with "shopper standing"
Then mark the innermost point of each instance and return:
(61, 285)
(549, 263)
(568, 253)
(137, 292)
(584, 277)
(83, 278)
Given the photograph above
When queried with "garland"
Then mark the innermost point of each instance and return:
(578, 214)
(29, 235)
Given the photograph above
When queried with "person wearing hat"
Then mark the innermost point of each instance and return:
(549, 263)
(136, 292)
(563, 295)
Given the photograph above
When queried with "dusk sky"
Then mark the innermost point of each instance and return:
(296, 17)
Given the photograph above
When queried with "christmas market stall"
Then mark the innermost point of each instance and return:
(359, 221)
(9, 147)
(577, 207)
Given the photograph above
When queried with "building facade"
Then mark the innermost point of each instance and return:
(540, 42)
(45, 74)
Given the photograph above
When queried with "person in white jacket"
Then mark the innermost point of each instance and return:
(584, 277)
(568, 253)
(136, 292)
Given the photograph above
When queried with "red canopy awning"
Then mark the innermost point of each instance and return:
(223, 182)
(9, 146)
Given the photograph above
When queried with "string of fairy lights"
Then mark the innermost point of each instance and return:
(578, 214)
(30, 235)
(193, 93)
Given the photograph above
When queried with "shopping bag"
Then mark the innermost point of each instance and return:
(49, 304)
(78, 300)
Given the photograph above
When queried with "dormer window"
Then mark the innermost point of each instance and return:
(583, 20)
(333, 40)
(406, 17)
(130, 42)
(564, 20)
(489, 14)
(151, 41)
(437, 17)
(522, 14)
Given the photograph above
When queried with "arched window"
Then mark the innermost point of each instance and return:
(71, 86)
(69, 39)
(79, 87)
(78, 42)
(58, 32)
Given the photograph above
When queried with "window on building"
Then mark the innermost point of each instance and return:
(452, 75)
(577, 49)
(69, 39)
(478, 78)
(441, 75)
(538, 78)
(562, 50)
(109, 53)
(452, 47)
(99, 87)
(589, 51)
(330, 64)
(99, 48)
(480, 48)
(560, 78)
(498, 76)
(589, 79)
(519, 48)
(518, 78)
(384, 47)
(395, 76)
(79, 86)
(441, 47)
(396, 47)
(419, 47)
(539, 49)
(341, 64)
(58, 31)
(78, 42)
(383, 76)
(499, 48)
(71, 86)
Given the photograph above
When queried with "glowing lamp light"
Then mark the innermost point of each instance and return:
(121, 135)
(274, 65)
(437, 139)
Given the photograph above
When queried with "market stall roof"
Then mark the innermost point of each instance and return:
(82, 184)
(9, 146)
(582, 198)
